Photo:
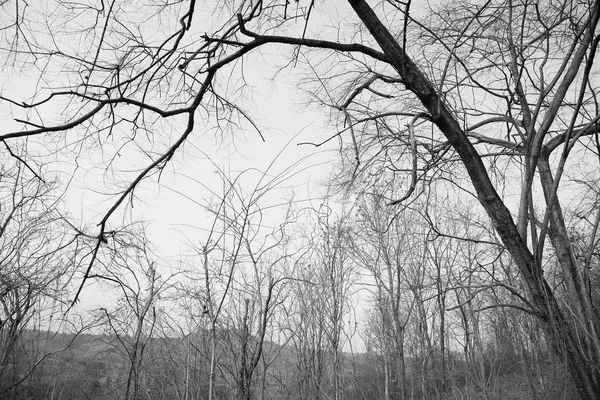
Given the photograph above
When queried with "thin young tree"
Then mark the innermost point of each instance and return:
(242, 261)
(383, 242)
(130, 325)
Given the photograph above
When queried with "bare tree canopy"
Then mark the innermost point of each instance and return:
(493, 100)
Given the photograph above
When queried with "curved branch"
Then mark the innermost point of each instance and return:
(322, 44)
(413, 148)
(161, 160)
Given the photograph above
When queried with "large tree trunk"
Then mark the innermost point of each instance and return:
(562, 331)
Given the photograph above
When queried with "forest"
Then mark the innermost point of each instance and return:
(265, 199)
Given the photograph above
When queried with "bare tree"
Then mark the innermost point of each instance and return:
(39, 252)
(132, 322)
(320, 303)
(305, 323)
(237, 291)
(501, 98)
(336, 274)
(383, 243)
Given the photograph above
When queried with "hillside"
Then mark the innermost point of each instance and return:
(94, 367)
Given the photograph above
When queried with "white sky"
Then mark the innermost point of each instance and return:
(173, 218)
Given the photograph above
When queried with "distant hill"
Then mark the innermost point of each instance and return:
(97, 367)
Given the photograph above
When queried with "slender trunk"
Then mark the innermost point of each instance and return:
(208, 309)
(244, 373)
(386, 377)
(398, 342)
(187, 370)
(477, 351)
(138, 347)
(442, 307)
(401, 373)
(263, 380)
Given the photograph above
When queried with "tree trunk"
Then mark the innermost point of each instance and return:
(564, 336)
